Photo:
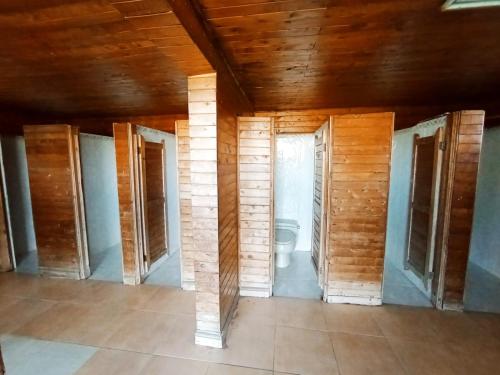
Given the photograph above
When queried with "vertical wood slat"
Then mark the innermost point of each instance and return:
(57, 200)
(184, 181)
(6, 263)
(359, 186)
(464, 141)
(256, 207)
(204, 201)
(124, 149)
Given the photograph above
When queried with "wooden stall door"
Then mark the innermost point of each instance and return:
(319, 199)
(57, 199)
(156, 200)
(427, 158)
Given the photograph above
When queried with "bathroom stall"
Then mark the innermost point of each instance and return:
(18, 218)
(147, 176)
(431, 203)
(299, 213)
(100, 194)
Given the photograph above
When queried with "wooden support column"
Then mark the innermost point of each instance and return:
(256, 205)
(57, 200)
(463, 141)
(358, 194)
(204, 200)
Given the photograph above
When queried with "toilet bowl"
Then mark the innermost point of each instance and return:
(285, 238)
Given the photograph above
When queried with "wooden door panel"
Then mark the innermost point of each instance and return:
(422, 210)
(156, 199)
(57, 199)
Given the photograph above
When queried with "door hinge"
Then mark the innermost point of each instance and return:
(442, 145)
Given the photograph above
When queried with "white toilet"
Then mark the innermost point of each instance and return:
(285, 239)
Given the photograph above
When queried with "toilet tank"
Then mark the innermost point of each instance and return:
(289, 224)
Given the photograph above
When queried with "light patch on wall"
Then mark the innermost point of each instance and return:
(467, 4)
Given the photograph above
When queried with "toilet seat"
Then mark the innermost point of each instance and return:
(284, 236)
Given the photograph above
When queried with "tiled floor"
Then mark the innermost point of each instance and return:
(299, 279)
(91, 327)
(399, 290)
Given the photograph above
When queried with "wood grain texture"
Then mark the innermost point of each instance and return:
(358, 191)
(464, 140)
(318, 53)
(204, 201)
(57, 200)
(184, 180)
(256, 205)
(124, 152)
(156, 200)
(5, 257)
(125, 57)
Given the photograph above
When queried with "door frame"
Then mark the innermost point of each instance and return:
(426, 277)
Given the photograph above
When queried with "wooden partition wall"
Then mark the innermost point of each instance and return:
(256, 205)
(463, 140)
(57, 200)
(358, 194)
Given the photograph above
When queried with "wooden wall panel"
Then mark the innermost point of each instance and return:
(57, 200)
(123, 135)
(227, 190)
(156, 200)
(184, 178)
(205, 218)
(298, 123)
(464, 140)
(359, 186)
(256, 205)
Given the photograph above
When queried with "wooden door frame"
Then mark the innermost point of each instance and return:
(426, 277)
(326, 176)
(6, 212)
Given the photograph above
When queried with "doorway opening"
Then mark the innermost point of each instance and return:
(299, 213)
(159, 203)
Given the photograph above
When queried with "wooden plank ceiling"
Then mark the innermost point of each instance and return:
(94, 57)
(350, 53)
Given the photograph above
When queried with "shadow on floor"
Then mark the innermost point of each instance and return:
(482, 290)
(399, 290)
(106, 265)
(28, 263)
(167, 273)
(299, 279)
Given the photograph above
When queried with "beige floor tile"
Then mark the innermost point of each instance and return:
(489, 322)
(56, 289)
(361, 354)
(256, 310)
(180, 342)
(174, 366)
(304, 351)
(51, 322)
(21, 312)
(220, 369)
(351, 319)
(300, 313)
(93, 324)
(248, 345)
(18, 285)
(118, 295)
(141, 331)
(427, 357)
(114, 362)
(406, 323)
(171, 301)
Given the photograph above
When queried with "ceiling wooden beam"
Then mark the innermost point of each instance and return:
(191, 18)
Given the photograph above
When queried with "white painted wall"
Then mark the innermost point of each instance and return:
(100, 191)
(18, 191)
(485, 242)
(293, 190)
(173, 209)
(399, 194)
